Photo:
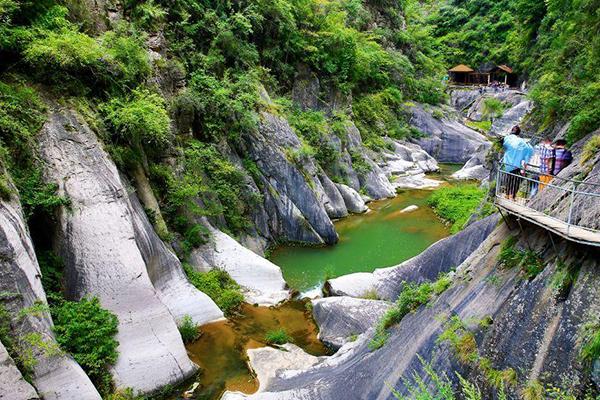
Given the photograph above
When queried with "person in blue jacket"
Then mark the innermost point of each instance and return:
(517, 153)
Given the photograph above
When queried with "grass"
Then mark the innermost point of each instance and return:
(278, 336)
(411, 297)
(188, 330)
(219, 286)
(484, 126)
(464, 345)
(456, 204)
(590, 349)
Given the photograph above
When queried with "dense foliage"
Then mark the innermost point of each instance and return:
(86, 331)
(456, 204)
(554, 44)
(219, 286)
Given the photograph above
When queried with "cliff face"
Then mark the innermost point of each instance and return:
(105, 256)
(54, 374)
(524, 324)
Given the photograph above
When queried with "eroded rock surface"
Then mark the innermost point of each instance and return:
(342, 319)
(261, 280)
(446, 139)
(55, 375)
(12, 384)
(97, 240)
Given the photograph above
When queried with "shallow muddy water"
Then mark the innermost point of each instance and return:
(221, 350)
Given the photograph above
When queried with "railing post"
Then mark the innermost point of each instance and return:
(497, 180)
(570, 211)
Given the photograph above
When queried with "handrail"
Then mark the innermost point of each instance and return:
(565, 210)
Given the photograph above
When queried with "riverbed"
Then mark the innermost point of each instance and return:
(383, 237)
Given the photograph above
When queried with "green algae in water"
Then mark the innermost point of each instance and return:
(221, 350)
(381, 238)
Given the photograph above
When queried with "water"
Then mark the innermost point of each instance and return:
(221, 350)
(382, 237)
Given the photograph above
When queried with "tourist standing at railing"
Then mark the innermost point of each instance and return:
(546, 155)
(562, 156)
(517, 153)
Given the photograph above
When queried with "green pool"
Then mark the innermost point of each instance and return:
(380, 238)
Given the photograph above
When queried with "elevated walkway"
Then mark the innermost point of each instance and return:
(562, 209)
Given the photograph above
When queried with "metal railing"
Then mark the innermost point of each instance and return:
(570, 202)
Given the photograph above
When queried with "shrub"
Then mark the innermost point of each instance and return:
(530, 262)
(188, 329)
(87, 331)
(219, 286)
(140, 119)
(278, 336)
(492, 108)
(456, 204)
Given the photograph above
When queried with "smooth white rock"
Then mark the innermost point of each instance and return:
(409, 209)
(262, 281)
(12, 384)
(355, 285)
(97, 240)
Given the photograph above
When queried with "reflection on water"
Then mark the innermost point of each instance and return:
(221, 350)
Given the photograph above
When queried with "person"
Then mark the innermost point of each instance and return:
(546, 155)
(562, 156)
(517, 153)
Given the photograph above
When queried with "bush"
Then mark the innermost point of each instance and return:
(590, 349)
(188, 330)
(87, 331)
(140, 119)
(278, 336)
(530, 262)
(456, 204)
(219, 286)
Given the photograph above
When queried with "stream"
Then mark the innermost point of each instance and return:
(379, 238)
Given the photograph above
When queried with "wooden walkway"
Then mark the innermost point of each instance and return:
(573, 233)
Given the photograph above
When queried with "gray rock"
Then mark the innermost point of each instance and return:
(407, 164)
(334, 203)
(97, 239)
(55, 375)
(296, 188)
(166, 273)
(12, 384)
(447, 140)
(475, 168)
(353, 201)
(513, 116)
(305, 92)
(511, 98)
(463, 99)
(339, 318)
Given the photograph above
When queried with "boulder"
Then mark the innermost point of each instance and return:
(475, 168)
(340, 318)
(12, 384)
(409, 209)
(355, 285)
(96, 236)
(446, 139)
(353, 201)
(334, 204)
(261, 280)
